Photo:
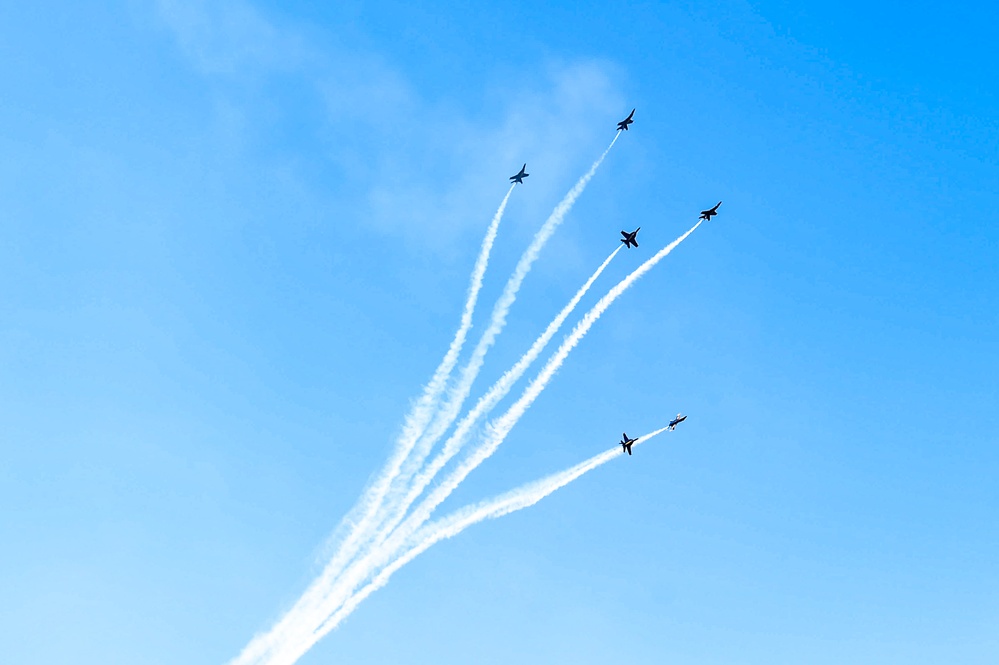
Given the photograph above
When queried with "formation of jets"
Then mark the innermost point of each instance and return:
(626, 442)
(629, 242)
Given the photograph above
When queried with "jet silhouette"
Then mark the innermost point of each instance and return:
(626, 443)
(706, 215)
(629, 238)
(627, 121)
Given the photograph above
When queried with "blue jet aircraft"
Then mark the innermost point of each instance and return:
(629, 238)
(627, 121)
(520, 176)
(626, 443)
(706, 215)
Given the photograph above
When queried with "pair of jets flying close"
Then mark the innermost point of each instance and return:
(627, 442)
(629, 242)
(629, 238)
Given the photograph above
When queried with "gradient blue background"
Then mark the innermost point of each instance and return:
(235, 239)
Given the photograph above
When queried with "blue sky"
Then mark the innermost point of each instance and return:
(236, 238)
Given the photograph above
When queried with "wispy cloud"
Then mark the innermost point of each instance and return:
(396, 161)
(232, 38)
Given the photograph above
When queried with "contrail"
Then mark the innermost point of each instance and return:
(446, 415)
(450, 526)
(336, 591)
(497, 432)
(318, 594)
(363, 516)
(329, 593)
(487, 402)
(424, 410)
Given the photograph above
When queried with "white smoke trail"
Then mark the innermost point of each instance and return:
(486, 403)
(498, 430)
(361, 569)
(345, 585)
(363, 517)
(450, 526)
(324, 594)
(446, 415)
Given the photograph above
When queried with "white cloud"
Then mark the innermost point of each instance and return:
(394, 161)
(230, 37)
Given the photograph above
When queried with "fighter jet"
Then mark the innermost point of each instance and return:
(706, 215)
(627, 121)
(520, 176)
(626, 443)
(676, 421)
(629, 238)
